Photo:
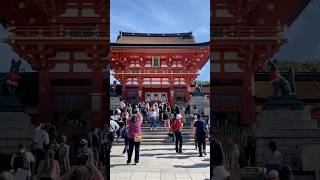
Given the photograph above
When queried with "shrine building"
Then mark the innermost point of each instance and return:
(157, 67)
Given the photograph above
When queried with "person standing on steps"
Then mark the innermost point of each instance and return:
(153, 119)
(134, 135)
(176, 129)
(194, 119)
(201, 129)
(166, 120)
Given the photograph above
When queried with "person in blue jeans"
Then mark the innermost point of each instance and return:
(153, 119)
(124, 133)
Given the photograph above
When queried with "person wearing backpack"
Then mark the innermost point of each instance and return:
(49, 168)
(62, 155)
(21, 162)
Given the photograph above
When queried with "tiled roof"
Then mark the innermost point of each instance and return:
(155, 38)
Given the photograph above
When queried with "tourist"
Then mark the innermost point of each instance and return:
(273, 175)
(201, 129)
(176, 110)
(216, 151)
(40, 140)
(85, 171)
(134, 135)
(49, 168)
(176, 128)
(21, 162)
(122, 105)
(166, 120)
(6, 175)
(114, 127)
(273, 158)
(95, 143)
(194, 119)
(125, 116)
(124, 133)
(84, 151)
(220, 173)
(62, 155)
(153, 119)
(234, 160)
(195, 111)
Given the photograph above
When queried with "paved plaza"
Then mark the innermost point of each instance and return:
(160, 162)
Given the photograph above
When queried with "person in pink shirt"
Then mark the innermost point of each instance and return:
(49, 168)
(134, 135)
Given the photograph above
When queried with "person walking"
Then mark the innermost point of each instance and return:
(176, 128)
(153, 119)
(166, 120)
(124, 133)
(49, 167)
(273, 159)
(234, 160)
(62, 155)
(21, 162)
(114, 127)
(40, 140)
(194, 119)
(201, 129)
(134, 135)
(217, 158)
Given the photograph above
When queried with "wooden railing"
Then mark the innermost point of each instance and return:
(58, 31)
(244, 31)
(224, 134)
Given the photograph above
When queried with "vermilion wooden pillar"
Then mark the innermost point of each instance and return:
(44, 97)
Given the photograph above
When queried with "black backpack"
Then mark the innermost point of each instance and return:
(20, 161)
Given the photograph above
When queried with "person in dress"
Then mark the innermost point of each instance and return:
(134, 135)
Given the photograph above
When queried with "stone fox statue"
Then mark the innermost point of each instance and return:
(11, 80)
(287, 87)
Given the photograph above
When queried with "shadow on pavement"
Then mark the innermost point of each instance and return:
(201, 165)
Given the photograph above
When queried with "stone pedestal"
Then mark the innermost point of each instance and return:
(114, 103)
(201, 102)
(15, 129)
(290, 129)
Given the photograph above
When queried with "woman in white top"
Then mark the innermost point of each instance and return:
(273, 159)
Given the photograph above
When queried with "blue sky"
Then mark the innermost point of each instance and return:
(162, 16)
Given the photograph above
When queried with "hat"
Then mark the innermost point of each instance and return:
(273, 174)
(178, 116)
(83, 141)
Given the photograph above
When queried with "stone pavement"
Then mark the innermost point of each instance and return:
(160, 162)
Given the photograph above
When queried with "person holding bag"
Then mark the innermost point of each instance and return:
(134, 135)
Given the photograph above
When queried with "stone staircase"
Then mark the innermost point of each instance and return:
(160, 136)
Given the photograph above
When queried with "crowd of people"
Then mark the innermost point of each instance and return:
(130, 118)
(48, 157)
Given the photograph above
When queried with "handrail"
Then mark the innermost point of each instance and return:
(58, 31)
(245, 31)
